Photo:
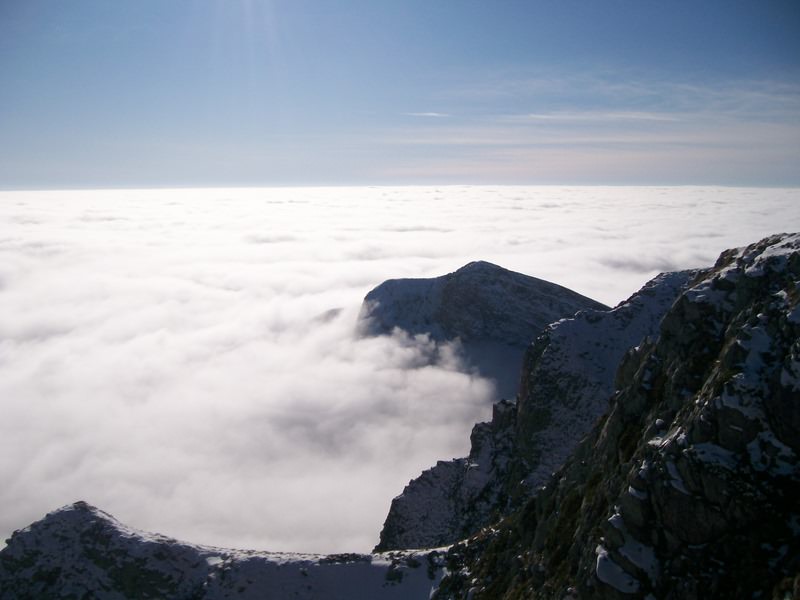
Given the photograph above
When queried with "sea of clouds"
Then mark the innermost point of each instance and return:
(188, 360)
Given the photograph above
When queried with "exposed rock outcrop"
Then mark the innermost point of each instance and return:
(568, 375)
(689, 487)
(494, 312)
(455, 498)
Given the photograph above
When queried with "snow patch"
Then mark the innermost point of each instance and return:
(713, 454)
(612, 574)
(638, 494)
(642, 556)
(676, 481)
(768, 453)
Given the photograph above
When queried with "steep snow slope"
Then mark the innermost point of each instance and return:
(568, 380)
(568, 375)
(494, 312)
(82, 552)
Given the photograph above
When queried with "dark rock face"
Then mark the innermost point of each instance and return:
(494, 312)
(568, 374)
(689, 487)
(455, 498)
(567, 380)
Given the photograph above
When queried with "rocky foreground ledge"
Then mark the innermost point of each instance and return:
(81, 552)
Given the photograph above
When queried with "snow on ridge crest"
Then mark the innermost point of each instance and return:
(81, 551)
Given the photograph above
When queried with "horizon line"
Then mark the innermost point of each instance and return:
(254, 186)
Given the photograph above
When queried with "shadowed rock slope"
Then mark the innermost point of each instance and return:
(689, 487)
(568, 378)
(494, 312)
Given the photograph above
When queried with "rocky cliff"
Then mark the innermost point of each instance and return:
(689, 487)
(568, 378)
(569, 370)
(455, 498)
(494, 312)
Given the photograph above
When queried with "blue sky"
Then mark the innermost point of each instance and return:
(238, 92)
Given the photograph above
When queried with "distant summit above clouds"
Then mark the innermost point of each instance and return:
(494, 312)
(478, 302)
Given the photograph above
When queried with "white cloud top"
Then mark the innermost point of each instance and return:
(169, 356)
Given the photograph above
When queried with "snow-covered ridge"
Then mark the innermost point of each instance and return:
(479, 301)
(80, 551)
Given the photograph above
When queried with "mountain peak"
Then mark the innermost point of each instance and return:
(70, 516)
(493, 311)
(80, 506)
(480, 265)
(479, 301)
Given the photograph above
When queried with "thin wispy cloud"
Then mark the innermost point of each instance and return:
(591, 129)
(593, 116)
(430, 115)
(597, 98)
(621, 91)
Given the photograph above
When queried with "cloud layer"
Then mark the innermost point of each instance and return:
(172, 355)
